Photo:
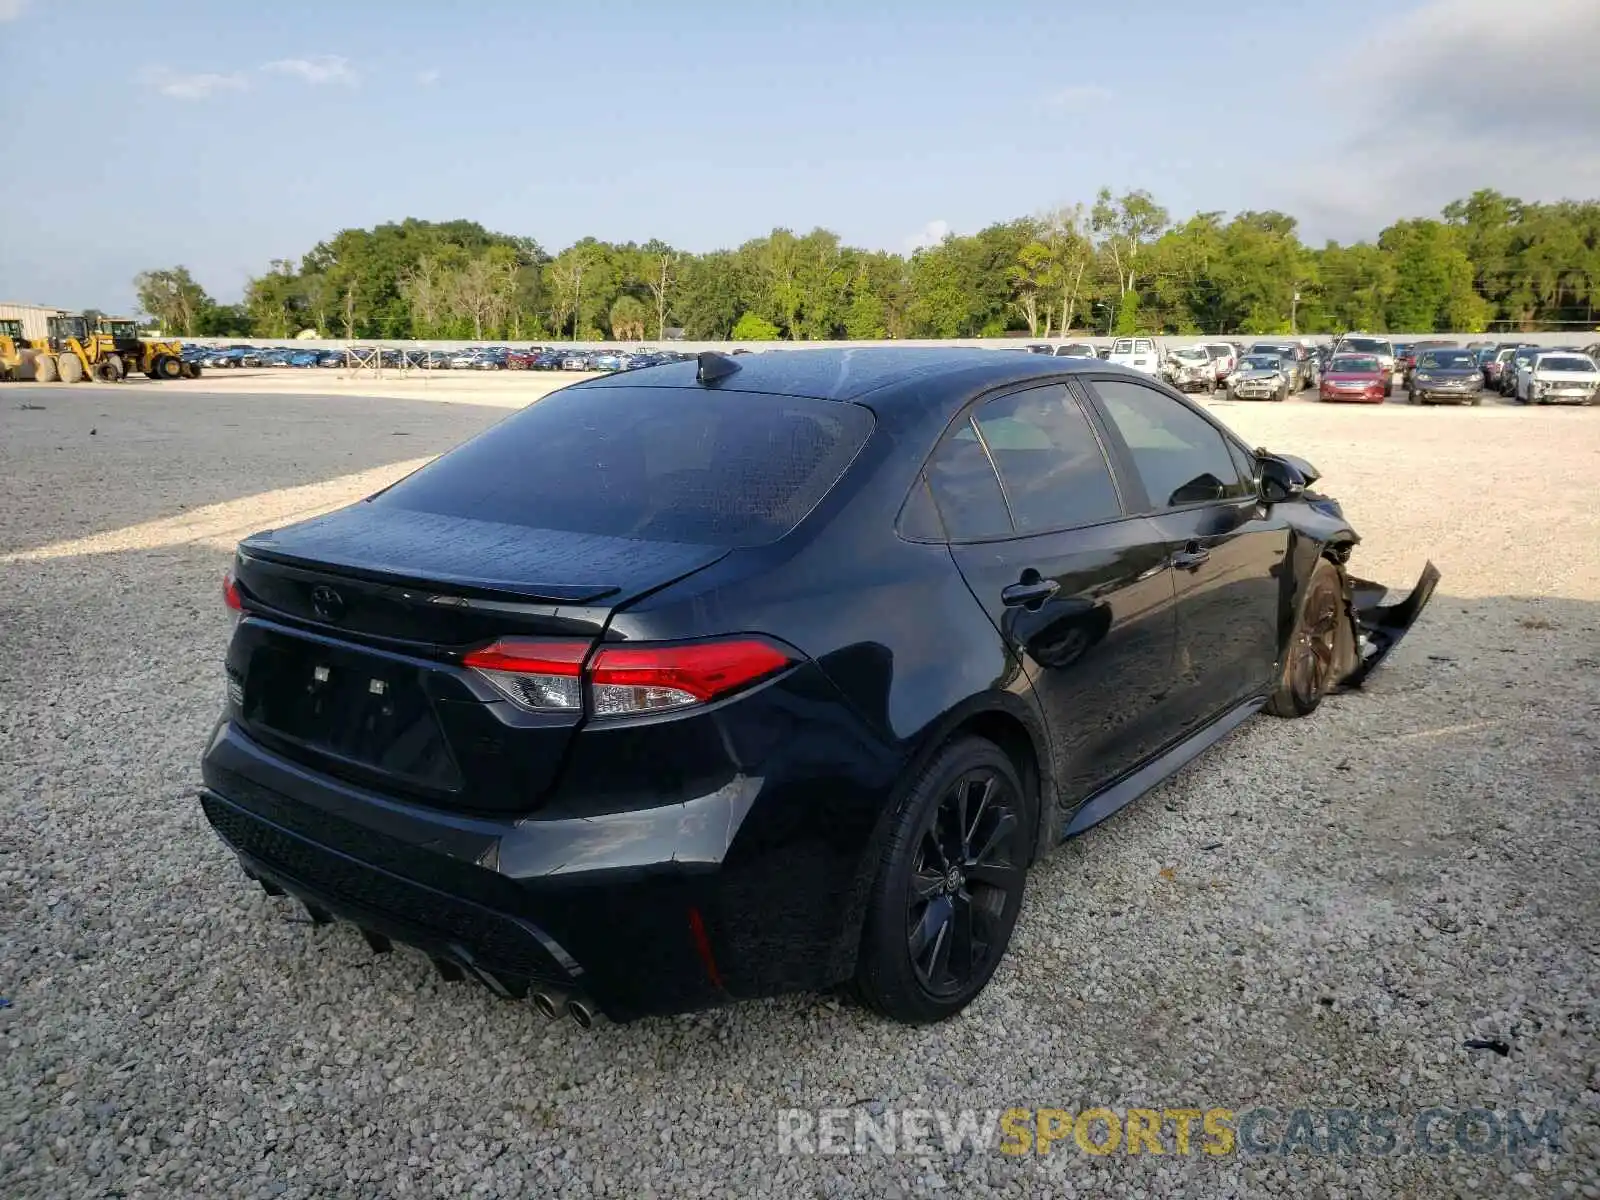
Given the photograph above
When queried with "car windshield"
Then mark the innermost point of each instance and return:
(1365, 345)
(1262, 362)
(1353, 364)
(1122, 346)
(1191, 356)
(1565, 362)
(1075, 351)
(1447, 360)
(710, 468)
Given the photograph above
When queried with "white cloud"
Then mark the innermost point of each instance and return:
(1434, 127)
(930, 234)
(1078, 95)
(428, 78)
(190, 87)
(317, 70)
(10, 10)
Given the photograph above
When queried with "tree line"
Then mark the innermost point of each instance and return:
(1118, 265)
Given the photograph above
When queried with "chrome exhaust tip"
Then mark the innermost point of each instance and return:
(580, 1012)
(547, 1005)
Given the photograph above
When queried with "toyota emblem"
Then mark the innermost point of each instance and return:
(328, 604)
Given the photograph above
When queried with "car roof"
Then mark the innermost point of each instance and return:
(850, 374)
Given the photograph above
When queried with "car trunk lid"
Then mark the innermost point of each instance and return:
(349, 655)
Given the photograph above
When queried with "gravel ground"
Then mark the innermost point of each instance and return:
(1318, 913)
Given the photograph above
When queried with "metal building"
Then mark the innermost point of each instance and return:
(32, 316)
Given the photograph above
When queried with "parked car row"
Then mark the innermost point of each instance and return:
(480, 358)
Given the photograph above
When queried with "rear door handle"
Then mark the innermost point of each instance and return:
(1191, 557)
(1033, 592)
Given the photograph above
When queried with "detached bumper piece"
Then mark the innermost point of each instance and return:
(463, 939)
(1380, 626)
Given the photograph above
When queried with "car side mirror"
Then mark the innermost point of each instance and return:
(1277, 480)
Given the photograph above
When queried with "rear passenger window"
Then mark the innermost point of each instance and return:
(1181, 457)
(1049, 461)
(965, 488)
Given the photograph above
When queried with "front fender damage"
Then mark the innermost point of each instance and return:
(1378, 627)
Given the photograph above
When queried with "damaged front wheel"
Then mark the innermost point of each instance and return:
(1310, 661)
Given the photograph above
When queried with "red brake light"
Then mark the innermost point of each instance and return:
(645, 678)
(230, 592)
(530, 657)
(623, 679)
(541, 676)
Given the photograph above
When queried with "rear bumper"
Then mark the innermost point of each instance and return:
(648, 911)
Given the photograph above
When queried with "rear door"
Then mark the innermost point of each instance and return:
(1079, 589)
(1195, 484)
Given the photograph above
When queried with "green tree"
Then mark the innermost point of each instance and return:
(755, 328)
(1126, 227)
(628, 317)
(172, 298)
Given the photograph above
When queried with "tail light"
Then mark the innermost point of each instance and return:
(624, 680)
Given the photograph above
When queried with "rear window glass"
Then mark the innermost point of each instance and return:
(661, 464)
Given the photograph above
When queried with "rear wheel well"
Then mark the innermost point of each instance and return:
(1011, 735)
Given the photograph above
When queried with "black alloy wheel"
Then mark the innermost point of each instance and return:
(949, 885)
(1311, 656)
(962, 877)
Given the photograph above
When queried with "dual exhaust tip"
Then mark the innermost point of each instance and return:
(583, 1014)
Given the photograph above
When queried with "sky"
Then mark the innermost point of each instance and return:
(221, 136)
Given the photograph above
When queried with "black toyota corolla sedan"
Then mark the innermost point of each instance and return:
(743, 675)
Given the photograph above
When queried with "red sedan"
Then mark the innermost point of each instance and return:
(1355, 377)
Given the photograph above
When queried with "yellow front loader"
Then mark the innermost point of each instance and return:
(157, 360)
(12, 344)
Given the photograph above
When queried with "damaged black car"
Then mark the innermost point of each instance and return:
(737, 676)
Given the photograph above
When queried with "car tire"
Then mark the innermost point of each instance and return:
(69, 368)
(1281, 394)
(191, 370)
(167, 367)
(947, 877)
(44, 369)
(1306, 674)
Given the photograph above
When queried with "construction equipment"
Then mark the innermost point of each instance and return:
(157, 360)
(105, 350)
(12, 345)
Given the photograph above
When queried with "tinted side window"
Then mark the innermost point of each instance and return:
(1049, 461)
(971, 504)
(1181, 457)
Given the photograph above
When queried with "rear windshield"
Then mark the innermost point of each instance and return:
(1076, 350)
(661, 464)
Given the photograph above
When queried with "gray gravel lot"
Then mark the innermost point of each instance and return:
(1316, 914)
